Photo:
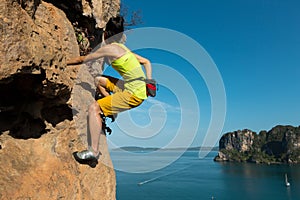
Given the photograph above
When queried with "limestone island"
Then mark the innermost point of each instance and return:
(278, 146)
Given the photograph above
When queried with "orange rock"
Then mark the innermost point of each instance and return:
(38, 132)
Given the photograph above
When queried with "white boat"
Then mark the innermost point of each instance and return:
(287, 184)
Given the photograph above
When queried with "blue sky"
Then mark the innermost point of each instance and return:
(256, 48)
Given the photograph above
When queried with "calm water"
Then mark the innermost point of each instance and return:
(193, 178)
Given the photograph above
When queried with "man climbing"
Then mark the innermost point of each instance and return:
(127, 93)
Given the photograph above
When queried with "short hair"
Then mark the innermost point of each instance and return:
(114, 28)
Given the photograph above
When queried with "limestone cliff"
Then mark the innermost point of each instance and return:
(279, 145)
(37, 128)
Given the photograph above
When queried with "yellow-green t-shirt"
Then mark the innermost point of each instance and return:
(130, 69)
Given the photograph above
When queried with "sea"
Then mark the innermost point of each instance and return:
(192, 178)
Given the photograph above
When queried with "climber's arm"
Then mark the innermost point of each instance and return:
(101, 52)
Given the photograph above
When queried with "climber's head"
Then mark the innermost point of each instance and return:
(114, 29)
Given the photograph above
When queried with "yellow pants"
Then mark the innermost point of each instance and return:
(121, 100)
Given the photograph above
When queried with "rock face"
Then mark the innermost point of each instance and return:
(44, 168)
(240, 140)
(100, 10)
(34, 80)
(38, 130)
(279, 145)
(90, 15)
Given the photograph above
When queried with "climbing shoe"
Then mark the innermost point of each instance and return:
(86, 157)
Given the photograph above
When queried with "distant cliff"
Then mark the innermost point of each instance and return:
(279, 145)
(37, 129)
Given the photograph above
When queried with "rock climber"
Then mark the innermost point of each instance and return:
(116, 95)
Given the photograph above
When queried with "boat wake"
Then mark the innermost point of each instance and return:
(161, 176)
